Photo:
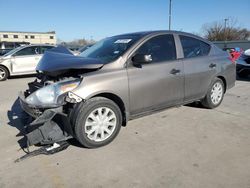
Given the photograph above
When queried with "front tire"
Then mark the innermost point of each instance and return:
(4, 73)
(214, 95)
(97, 122)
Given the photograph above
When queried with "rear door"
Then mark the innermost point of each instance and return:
(199, 68)
(158, 83)
(25, 60)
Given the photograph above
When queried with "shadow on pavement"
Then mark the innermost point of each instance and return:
(246, 79)
(74, 142)
(195, 105)
(17, 119)
(22, 76)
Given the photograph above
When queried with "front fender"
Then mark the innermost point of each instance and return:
(112, 82)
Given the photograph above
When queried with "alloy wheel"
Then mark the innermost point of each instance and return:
(2, 73)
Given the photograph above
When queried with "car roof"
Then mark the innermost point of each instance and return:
(25, 46)
(146, 33)
(29, 45)
(38, 45)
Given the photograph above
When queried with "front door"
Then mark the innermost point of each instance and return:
(159, 83)
(25, 60)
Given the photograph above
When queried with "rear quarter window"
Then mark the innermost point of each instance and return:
(193, 47)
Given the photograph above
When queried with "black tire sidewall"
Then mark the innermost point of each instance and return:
(6, 73)
(85, 110)
(208, 101)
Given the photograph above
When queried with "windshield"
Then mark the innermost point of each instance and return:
(13, 51)
(84, 48)
(110, 49)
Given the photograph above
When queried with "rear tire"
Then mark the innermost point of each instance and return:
(214, 95)
(97, 122)
(4, 73)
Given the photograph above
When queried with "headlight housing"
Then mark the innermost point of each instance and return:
(52, 95)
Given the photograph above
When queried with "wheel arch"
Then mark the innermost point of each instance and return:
(1, 65)
(116, 99)
(8, 71)
(224, 82)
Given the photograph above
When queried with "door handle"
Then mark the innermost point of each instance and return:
(212, 65)
(175, 71)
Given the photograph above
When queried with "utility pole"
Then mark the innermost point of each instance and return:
(170, 14)
(225, 33)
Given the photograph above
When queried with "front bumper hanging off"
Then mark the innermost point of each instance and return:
(47, 127)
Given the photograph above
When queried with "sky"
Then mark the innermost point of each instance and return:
(76, 19)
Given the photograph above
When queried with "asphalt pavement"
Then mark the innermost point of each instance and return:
(186, 146)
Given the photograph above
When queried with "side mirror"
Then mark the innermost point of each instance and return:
(142, 58)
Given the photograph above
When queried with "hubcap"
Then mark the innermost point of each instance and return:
(216, 93)
(100, 124)
(2, 73)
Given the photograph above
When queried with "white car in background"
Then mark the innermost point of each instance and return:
(22, 60)
(247, 52)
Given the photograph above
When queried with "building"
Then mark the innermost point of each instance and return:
(12, 39)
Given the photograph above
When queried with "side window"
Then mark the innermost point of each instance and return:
(28, 51)
(44, 48)
(193, 47)
(161, 48)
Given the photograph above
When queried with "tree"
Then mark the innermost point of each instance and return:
(225, 31)
(79, 42)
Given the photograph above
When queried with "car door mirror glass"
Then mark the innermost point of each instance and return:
(142, 58)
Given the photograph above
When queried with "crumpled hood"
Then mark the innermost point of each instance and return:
(60, 60)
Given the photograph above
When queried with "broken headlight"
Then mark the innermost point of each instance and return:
(50, 95)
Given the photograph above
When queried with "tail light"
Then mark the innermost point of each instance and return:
(234, 56)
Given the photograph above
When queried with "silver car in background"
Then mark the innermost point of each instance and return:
(22, 60)
(90, 96)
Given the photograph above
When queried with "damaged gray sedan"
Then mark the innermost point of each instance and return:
(89, 97)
